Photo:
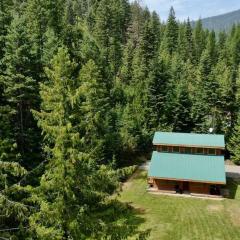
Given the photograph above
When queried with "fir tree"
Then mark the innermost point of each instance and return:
(110, 28)
(94, 108)
(5, 20)
(20, 87)
(185, 41)
(199, 40)
(75, 189)
(170, 39)
(182, 121)
(158, 83)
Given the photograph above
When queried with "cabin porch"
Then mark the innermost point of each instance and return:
(184, 187)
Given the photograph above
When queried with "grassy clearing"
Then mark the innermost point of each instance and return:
(176, 218)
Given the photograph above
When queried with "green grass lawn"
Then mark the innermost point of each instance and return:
(178, 218)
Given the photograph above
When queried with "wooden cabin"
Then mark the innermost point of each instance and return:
(187, 163)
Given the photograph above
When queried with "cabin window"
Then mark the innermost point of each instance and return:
(164, 149)
(199, 151)
(188, 150)
(158, 148)
(212, 151)
(175, 149)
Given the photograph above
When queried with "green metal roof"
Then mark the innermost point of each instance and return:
(192, 139)
(187, 167)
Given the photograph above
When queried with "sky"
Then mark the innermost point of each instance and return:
(194, 9)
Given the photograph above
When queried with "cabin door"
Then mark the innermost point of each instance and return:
(186, 186)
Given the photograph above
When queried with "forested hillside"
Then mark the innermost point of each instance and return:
(222, 22)
(83, 87)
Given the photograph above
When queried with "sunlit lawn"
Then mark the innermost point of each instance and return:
(178, 218)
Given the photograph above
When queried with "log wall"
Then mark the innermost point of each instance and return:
(203, 188)
(169, 185)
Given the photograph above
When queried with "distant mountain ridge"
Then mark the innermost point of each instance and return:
(221, 22)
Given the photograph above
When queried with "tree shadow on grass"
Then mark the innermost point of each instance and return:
(130, 216)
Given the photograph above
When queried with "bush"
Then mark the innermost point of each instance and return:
(126, 172)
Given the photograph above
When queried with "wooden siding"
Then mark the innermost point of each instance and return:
(202, 188)
(168, 185)
(164, 185)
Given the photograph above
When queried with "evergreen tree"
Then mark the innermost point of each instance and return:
(134, 32)
(170, 38)
(199, 40)
(182, 121)
(225, 100)
(42, 15)
(75, 189)
(205, 108)
(21, 89)
(133, 128)
(185, 41)
(158, 83)
(5, 20)
(235, 47)
(150, 38)
(20, 139)
(110, 30)
(13, 208)
(94, 108)
(234, 143)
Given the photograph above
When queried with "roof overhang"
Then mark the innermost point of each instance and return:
(189, 140)
(188, 167)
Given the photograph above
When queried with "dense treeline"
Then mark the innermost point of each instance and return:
(83, 87)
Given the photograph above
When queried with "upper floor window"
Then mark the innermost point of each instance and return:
(188, 150)
(175, 149)
(212, 151)
(164, 149)
(199, 151)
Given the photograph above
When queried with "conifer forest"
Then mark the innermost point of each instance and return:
(84, 84)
